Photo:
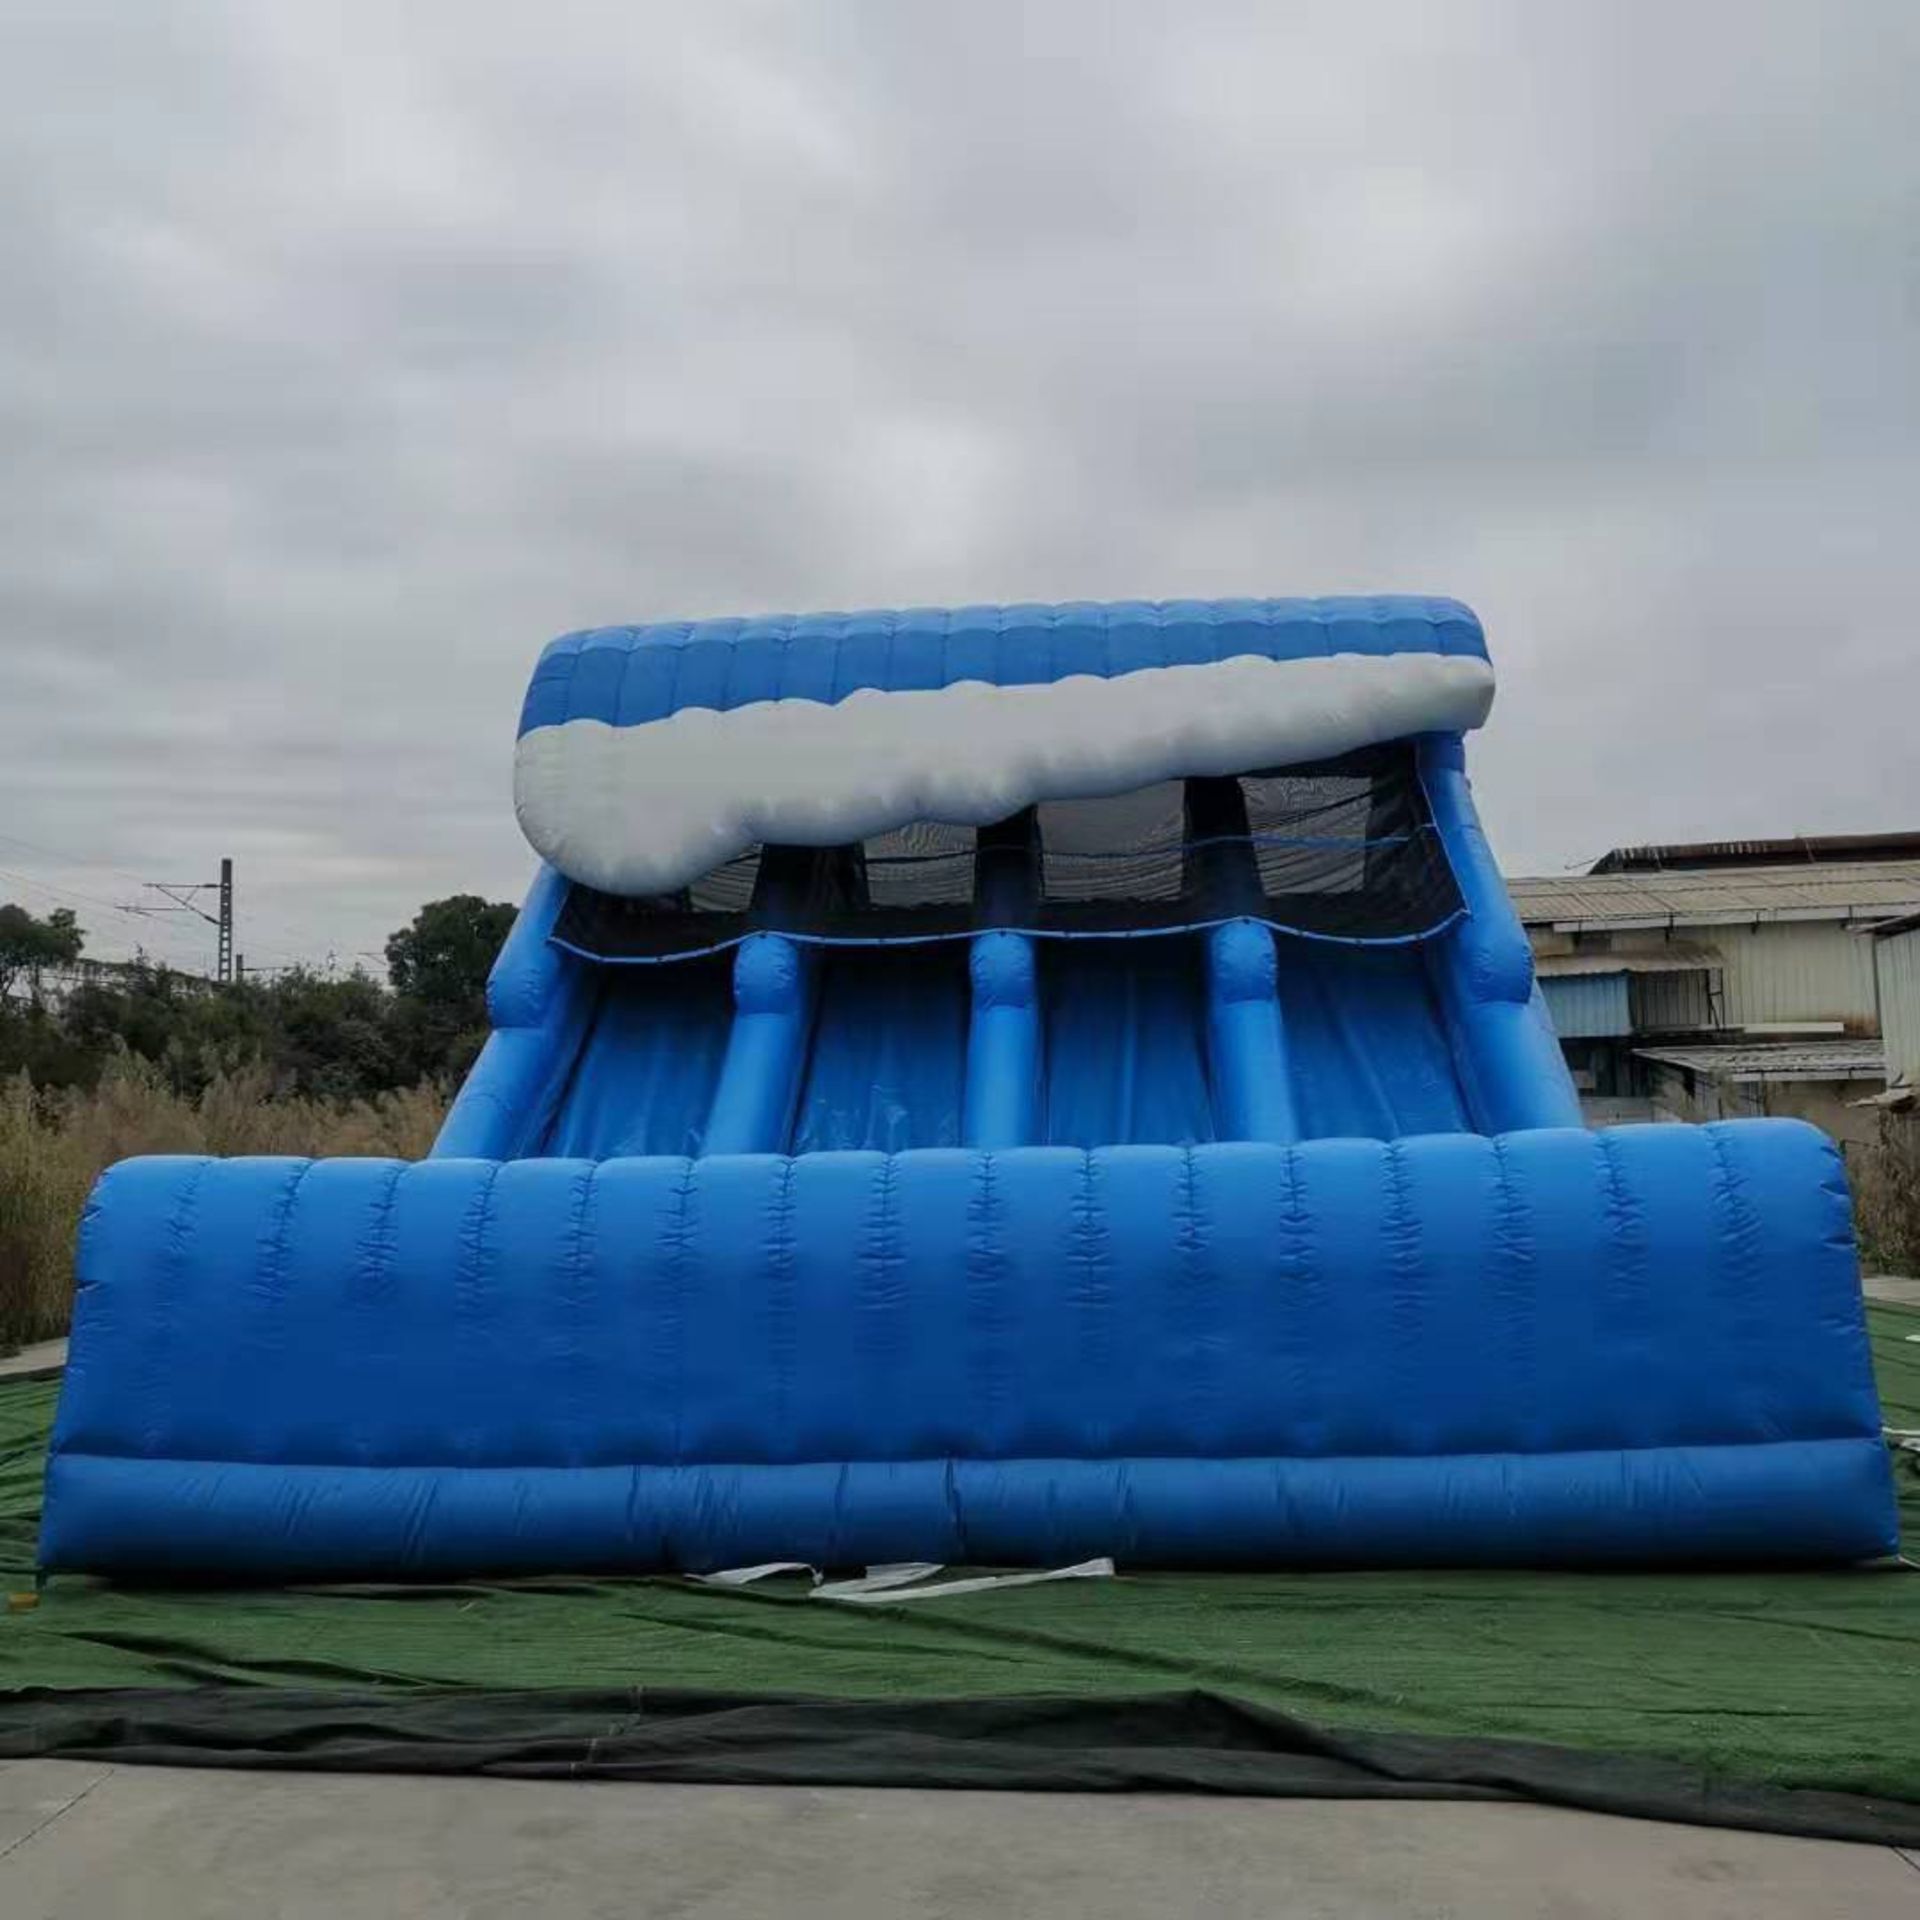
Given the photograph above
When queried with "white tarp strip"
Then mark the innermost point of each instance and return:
(746, 1576)
(899, 1580)
(984, 1583)
(877, 1580)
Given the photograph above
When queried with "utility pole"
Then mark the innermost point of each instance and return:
(225, 923)
(182, 896)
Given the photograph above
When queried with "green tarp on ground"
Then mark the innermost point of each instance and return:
(1796, 1680)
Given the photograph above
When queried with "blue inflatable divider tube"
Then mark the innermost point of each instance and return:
(539, 999)
(776, 993)
(1246, 1042)
(1004, 1047)
(1003, 1043)
(1642, 1345)
(1252, 1087)
(1482, 968)
(775, 988)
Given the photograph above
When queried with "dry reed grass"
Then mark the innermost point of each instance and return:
(1886, 1196)
(53, 1145)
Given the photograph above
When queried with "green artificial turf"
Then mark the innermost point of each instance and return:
(1807, 1679)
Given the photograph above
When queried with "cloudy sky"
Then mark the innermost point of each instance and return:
(348, 351)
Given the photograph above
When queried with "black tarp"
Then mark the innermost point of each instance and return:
(1170, 1742)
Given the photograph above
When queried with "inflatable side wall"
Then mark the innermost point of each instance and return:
(1504, 1045)
(1548, 1347)
(538, 1000)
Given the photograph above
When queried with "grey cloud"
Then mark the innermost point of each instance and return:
(347, 353)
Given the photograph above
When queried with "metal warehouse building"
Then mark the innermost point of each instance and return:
(1896, 960)
(1735, 977)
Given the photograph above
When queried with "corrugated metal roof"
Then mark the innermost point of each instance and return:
(1733, 896)
(1677, 956)
(1801, 847)
(1781, 1060)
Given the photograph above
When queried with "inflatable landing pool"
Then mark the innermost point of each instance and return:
(1004, 1085)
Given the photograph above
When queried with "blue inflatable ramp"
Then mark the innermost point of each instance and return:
(999, 1085)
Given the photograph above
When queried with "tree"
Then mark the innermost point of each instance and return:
(334, 1039)
(29, 945)
(439, 965)
(443, 958)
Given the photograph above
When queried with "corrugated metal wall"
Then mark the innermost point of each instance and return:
(1898, 963)
(1776, 972)
(1679, 1095)
(1669, 1002)
(1806, 970)
(1588, 1006)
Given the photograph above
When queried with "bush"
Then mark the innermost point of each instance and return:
(326, 1037)
(1886, 1193)
(54, 1144)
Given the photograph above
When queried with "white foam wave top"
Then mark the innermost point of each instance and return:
(638, 810)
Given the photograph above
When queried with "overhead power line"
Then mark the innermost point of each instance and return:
(67, 896)
(67, 860)
(183, 896)
(297, 946)
(62, 893)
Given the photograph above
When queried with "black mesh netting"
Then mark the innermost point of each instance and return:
(1343, 849)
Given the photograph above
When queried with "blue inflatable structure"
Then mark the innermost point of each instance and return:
(1001, 1085)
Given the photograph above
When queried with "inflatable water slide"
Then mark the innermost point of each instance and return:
(1004, 1085)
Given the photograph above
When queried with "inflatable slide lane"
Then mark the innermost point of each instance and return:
(1004, 1085)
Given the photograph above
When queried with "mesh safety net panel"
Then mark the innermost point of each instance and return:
(1340, 849)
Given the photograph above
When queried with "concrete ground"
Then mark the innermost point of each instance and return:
(86, 1842)
(49, 1353)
